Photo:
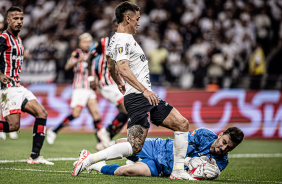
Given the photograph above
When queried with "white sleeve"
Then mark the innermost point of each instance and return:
(123, 50)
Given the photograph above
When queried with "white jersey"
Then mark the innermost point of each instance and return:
(123, 46)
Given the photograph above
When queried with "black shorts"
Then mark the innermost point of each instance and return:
(140, 112)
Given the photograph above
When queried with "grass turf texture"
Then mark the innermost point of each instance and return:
(67, 145)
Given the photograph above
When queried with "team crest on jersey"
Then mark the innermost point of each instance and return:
(193, 133)
(120, 50)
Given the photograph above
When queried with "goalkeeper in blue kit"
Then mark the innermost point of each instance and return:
(207, 156)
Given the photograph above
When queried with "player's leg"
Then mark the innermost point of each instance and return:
(106, 134)
(52, 133)
(76, 111)
(116, 151)
(78, 101)
(92, 106)
(34, 108)
(167, 116)
(137, 169)
(112, 94)
(137, 131)
(119, 121)
(146, 167)
(11, 101)
(136, 138)
(11, 124)
(175, 121)
(11, 127)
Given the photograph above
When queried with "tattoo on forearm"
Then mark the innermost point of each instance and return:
(136, 136)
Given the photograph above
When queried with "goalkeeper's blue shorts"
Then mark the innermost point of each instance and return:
(154, 167)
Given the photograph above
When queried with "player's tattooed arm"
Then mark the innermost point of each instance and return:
(136, 136)
(128, 75)
(113, 71)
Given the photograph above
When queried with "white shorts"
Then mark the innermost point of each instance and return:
(12, 99)
(80, 97)
(112, 93)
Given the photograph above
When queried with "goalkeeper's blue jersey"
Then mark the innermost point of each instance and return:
(161, 150)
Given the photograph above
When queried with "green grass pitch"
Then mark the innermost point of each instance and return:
(266, 168)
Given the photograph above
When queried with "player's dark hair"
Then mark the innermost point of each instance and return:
(124, 7)
(236, 134)
(14, 8)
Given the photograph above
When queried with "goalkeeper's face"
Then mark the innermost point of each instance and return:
(222, 145)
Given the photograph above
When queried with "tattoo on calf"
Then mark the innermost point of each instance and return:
(136, 137)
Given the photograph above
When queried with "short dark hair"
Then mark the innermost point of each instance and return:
(14, 8)
(122, 8)
(235, 133)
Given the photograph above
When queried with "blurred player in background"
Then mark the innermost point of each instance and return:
(207, 156)
(82, 94)
(14, 97)
(97, 66)
(126, 58)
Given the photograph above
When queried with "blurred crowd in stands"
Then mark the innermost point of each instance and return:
(208, 44)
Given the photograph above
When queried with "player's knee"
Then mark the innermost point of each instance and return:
(136, 149)
(97, 115)
(14, 127)
(42, 113)
(183, 125)
(45, 114)
(75, 114)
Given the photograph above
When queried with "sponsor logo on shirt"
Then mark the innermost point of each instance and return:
(17, 58)
(143, 57)
(126, 48)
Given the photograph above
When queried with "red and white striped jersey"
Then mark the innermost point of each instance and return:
(11, 57)
(80, 70)
(100, 63)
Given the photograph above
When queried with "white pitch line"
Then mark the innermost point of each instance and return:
(39, 170)
(254, 181)
(49, 159)
(15, 169)
(255, 155)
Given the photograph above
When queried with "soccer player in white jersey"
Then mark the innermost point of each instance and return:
(126, 59)
(97, 66)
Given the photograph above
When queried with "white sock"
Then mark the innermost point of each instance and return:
(98, 166)
(116, 151)
(179, 149)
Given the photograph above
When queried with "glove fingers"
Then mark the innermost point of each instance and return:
(209, 173)
(213, 161)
